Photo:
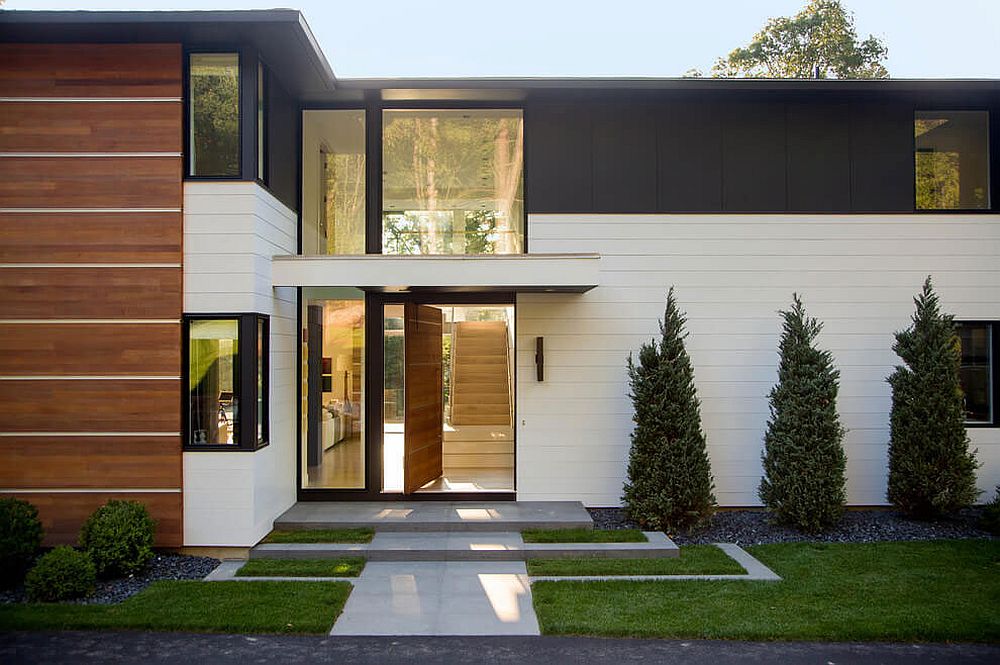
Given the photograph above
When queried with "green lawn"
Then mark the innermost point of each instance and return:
(226, 607)
(583, 536)
(321, 536)
(343, 567)
(694, 560)
(922, 591)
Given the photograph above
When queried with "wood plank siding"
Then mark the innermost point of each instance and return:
(91, 280)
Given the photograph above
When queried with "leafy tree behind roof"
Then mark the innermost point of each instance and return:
(818, 42)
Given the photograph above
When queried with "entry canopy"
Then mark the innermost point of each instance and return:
(524, 273)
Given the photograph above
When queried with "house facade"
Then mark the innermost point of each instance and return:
(231, 281)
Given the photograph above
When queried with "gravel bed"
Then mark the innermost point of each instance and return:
(162, 567)
(754, 527)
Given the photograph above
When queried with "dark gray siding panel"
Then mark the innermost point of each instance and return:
(882, 157)
(558, 155)
(753, 157)
(282, 145)
(624, 171)
(689, 147)
(819, 161)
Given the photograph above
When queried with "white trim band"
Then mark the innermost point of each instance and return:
(91, 265)
(14, 211)
(32, 100)
(120, 377)
(90, 434)
(91, 490)
(90, 154)
(99, 321)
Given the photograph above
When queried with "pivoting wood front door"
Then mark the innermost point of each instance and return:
(423, 396)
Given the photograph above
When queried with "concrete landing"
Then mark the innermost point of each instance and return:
(466, 546)
(439, 598)
(435, 516)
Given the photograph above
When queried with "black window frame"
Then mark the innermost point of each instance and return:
(994, 365)
(262, 96)
(247, 356)
(991, 206)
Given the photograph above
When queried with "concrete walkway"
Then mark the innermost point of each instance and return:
(440, 598)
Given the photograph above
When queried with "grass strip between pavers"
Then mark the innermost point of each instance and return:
(932, 591)
(694, 560)
(342, 567)
(349, 536)
(193, 605)
(583, 536)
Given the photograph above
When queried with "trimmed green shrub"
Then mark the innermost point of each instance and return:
(20, 538)
(119, 538)
(669, 483)
(61, 574)
(931, 469)
(804, 461)
(990, 520)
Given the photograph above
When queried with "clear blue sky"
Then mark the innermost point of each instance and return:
(362, 38)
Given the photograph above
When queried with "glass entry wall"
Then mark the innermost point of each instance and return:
(452, 181)
(333, 390)
(448, 398)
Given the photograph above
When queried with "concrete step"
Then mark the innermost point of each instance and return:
(452, 546)
(436, 516)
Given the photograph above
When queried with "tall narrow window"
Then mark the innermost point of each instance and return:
(261, 123)
(452, 181)
(333, 182)
(214, 114)
(227, 377)
(977, 371)
(952, 160)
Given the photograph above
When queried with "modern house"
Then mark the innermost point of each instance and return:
(230, 281)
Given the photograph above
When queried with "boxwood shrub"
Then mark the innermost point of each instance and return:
(61, 574)
(20, 538)
(119, 538)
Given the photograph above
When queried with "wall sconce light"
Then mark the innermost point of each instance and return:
(540, 358)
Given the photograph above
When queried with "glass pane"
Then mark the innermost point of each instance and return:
(333, 394)
(452, 181)
(952, 158)
(261, 124)
(261, 369)
(976, 371)
(213, 381)
(393, 406)
(215, 114)
(333, 182)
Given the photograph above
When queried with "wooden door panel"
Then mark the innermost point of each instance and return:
(423, 397)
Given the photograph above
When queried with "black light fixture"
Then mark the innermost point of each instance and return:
(540, 358)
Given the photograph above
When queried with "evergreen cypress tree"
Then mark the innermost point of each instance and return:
(669, 482)
(931, 469)
(804, 459)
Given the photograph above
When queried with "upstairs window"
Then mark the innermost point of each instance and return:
(978, 371)
(214, 115)
(952, 160)
(261, 123)
(452, 181)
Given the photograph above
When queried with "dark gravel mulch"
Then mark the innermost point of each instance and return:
(162, 567)
(754, 527)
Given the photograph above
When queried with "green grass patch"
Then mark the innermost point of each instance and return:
(694, 560)
(917, 591)
(344, 567)
(352, 536)
(226, 607)
(583, 536)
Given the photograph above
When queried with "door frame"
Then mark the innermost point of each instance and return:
(375, 302)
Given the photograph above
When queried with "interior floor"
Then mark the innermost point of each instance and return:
(342, 466)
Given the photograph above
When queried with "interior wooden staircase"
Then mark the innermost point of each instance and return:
(480, 381)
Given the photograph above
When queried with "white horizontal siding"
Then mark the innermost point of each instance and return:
(857, 273)
(231, 232)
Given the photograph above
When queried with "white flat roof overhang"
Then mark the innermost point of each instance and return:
(526, 273)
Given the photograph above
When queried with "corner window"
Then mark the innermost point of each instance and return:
(978, 371)
(227, 370)
(452, 181)
(214, 114)
(951, 160)
(261, 123)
